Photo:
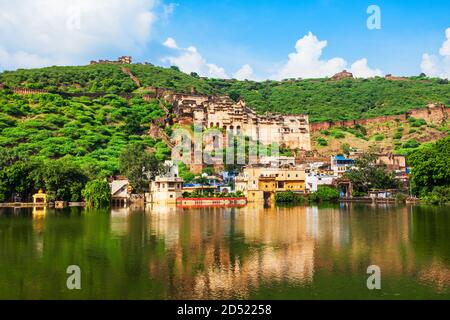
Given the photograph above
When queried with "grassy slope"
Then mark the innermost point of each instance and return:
(392, 137)
(92, 132)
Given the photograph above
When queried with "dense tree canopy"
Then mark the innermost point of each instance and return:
(368, 175)
(430, 176)
(86, 134)
(140, 166)
(97, 194)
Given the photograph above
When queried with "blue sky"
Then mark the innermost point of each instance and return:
(230, 34)
(264, 32)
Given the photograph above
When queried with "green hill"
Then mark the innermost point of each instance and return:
(76, 132)
(322, 99)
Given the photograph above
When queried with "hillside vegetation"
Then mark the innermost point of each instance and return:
(60, 143)
(386, 137)
(321, 99)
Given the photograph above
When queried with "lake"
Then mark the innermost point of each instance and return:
(226, 253)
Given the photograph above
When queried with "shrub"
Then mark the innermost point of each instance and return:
(439, 195)
(287, 197)
(411, 144)
(379, 137)
(324, 194)
(322, 142)
(401, 197)
(97, 194)
(338, 135)
(417, 122)
(359, 194)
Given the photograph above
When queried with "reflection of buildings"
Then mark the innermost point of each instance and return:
(39, 214)
(237, 249)
(231, 253)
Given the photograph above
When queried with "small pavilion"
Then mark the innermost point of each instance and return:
(40, 197)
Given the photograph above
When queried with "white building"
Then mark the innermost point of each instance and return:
(120, 192)
(340, 165)
(167, 188)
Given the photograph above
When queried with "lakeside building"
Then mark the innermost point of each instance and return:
(314, 180)
(166, 188)
(120, 192)
(260, 184)
(40, 198)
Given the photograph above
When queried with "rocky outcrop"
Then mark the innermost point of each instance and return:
(342, 75)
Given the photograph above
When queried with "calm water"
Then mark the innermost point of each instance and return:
(249, 253)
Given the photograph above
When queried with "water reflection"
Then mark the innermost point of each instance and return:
(251, 252)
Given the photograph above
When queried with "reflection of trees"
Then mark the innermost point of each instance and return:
(354, 237)
(430, 232)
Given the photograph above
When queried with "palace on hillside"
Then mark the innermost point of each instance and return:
(289, 131)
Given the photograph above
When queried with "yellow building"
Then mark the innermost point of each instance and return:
(40, 198)
(260, 184)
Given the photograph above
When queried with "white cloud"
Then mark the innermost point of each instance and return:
(361, 69)
(215, 71)
(170, 43)
(190, 60)
(445, 49)
(244, 73)
(46, 32)
(307, 62)
(436, 66)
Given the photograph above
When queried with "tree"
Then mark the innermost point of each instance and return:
(202, 181)
(346, 149)
(62, 179)
(368, 175)
(185, 173)
(234, 95)
(140, 166)
(431, 168)
(133, 124)
(324, 194)
(97, 194)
